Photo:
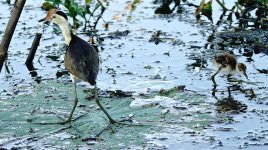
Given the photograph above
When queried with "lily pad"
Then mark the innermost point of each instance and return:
(21, 117)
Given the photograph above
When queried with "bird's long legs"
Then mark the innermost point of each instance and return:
(213, 76)
(111, 120)
(229, 78)
(74, 105)
(69, 119)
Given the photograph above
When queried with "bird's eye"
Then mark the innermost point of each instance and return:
(54, 17)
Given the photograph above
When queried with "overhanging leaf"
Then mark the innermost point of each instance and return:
(88, 1)
(200, 8)
(205, 8)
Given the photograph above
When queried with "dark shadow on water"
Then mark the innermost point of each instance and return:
(228, 103)
(8, 68)
(33, 72)
(165, 6)
(31, 69)
(61, 73)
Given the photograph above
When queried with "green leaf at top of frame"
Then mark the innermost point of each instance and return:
(200, 8)
(55, 2)
(67, 4)
(204, 7)
(75, 5)
(72, 7)
(207, 10)
(88, 1)
(263, 1)
(207, 7)
(82, 11)
(47, 6)
(72, 11)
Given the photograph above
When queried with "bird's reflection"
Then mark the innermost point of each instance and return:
(228, 103)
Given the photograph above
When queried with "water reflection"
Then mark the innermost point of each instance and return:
(8, 69)
(229, 103)
(33, 72)
(31, 69)
(164, 7)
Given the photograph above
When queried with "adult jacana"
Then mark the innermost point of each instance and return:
(81, 59)
(227, 63)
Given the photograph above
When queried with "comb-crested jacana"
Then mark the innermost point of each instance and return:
(227, 63)
(81, 59)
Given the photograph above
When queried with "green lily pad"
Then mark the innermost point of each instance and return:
(52, 100)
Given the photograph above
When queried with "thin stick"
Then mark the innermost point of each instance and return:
(10, 28)
(35, 44)
(222, 6)
(100, 15)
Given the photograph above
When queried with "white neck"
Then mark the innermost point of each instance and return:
(66, 31)
(64, 26)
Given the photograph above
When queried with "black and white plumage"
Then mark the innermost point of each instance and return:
(81, 59)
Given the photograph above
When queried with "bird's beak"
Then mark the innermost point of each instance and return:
(245, 74)
(42, 20)
(50, 13)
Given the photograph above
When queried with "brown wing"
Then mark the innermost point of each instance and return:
(82, 60)
(226, 60)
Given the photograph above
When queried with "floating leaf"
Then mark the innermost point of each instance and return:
(117, 17)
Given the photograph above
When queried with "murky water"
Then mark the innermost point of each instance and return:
(132, 63)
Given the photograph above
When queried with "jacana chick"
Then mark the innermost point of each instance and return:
(227, 63)
(81, 59)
